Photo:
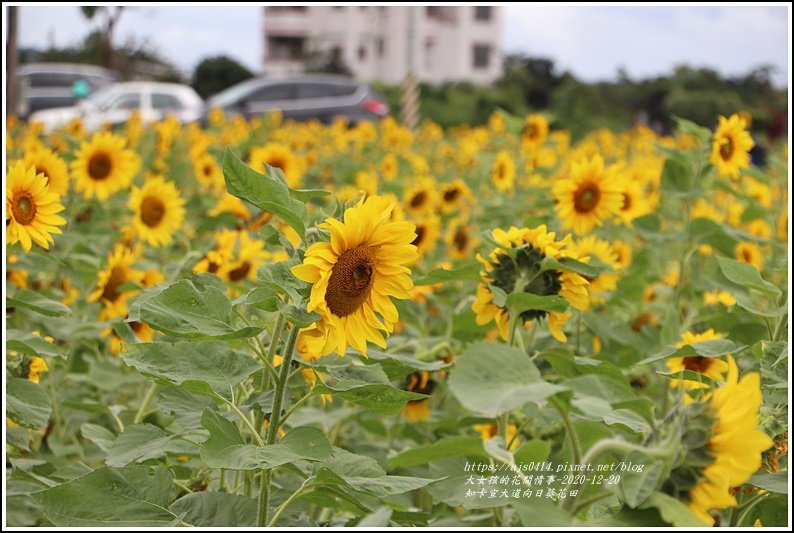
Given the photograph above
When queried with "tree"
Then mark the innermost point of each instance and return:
(111, 17)
(215, 74)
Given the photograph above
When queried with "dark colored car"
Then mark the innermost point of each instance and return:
(49, 85)
(321, 97)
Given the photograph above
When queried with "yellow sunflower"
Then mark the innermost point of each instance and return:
(248, 254)
(231, 204)
(634, 203)
(225, 241)
(53, 167)
(208, 173)
(159, 211)
(730, 148)
(624, 254)
(535, 132)
(455, 196)
(607, 281)
(367, 181)
(354, 275)
(427, 232)
(421, 197)
(489, 431)
(36, 368)
(719, 297)
(711, 367)
(516, 265)
(389, 167)
(280, 156)
(460, 242)
(735, 445)
(590, 195)
(750, 253)
(503, 172)
(103, 166)
(418, 410)
(30, 208)
(117, 272)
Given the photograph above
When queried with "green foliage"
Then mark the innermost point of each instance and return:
(214, 74)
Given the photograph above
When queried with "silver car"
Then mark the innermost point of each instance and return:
(116, 103)
(321, 97)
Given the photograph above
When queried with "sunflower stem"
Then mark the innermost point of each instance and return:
(275, 419)
(271, 351)
(747, 507)
(281, 508)
(145, 403)
(576, 448)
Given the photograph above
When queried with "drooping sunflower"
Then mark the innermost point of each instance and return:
(712, 367)
(730, 147)
(55, 170)
(455, 196)
(723, 445)
(589, 195)
(418, 410)
(427, 231)
(503, 172)
(280, 156)
(159, 211)
(516, 266)
(607, 281)
(421, 197)
(750, 253)
(31, 208)
(103, 166)
(354, 276)
(119, 270)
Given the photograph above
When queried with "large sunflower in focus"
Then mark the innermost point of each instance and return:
(103, 166)
(159, 211)
(730, 148)
(278, 155)
(354, 275)
(30, 208)
(53, 167)
(118, 272)
(723, 446)
(590, 195)
(516, 266)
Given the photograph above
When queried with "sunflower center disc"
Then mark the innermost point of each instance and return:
(117, 278)
(420, 236)
(460, 239)
(99, 166)
(626, 202)
(586, 197)
(351, 280)
(531, 131)
(207, 170)
(278, 162)
(152, 211)
(451, 195)
(240, 272)
(24, 208)
(418, 200)
(697, 363)
(726, 150)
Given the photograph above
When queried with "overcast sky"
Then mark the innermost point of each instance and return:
(592, 42)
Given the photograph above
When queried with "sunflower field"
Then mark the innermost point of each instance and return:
(295, 324)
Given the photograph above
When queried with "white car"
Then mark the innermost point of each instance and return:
(115, 104)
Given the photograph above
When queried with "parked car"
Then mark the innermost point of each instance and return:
(115, 104)
(48, 85)
(321, 97)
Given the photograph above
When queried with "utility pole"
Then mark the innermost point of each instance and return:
(409, 101)
(12, 59)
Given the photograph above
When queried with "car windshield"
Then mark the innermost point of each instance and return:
(233, 93)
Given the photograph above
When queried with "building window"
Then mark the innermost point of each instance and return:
(482, 12)
(362, 53)
(285, 47)
(481, 56)
(381, 46)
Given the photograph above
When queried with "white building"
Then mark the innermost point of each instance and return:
(447, 43)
